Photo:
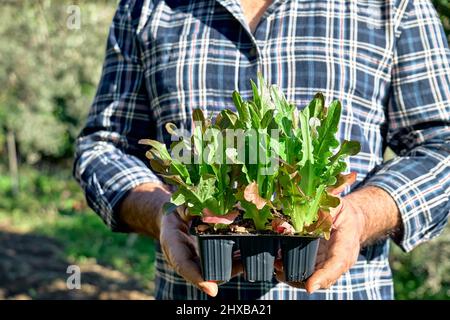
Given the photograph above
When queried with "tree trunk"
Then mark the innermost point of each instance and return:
(12, 157)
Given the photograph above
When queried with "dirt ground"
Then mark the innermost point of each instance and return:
(33, 267)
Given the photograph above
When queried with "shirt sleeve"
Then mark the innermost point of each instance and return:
(109, 161)
(418, 120)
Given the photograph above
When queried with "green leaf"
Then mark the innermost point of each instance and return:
(337, 165)
(328, 201)
(178, 198)
(254, 113)
(259, 217)
(158, 146)
(198, 116)
(280, 102)
(242, 108)
(205, 188)
(348, 148)
(314, 205)
(278, 147)
(317, 105)
(309, 178)
(178, 168)
(268, 117)
(326, 140)
(307, 146)
(256, 96)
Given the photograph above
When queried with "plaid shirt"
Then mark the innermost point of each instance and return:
(387, 61)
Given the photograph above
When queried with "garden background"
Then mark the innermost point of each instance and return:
(49, 70)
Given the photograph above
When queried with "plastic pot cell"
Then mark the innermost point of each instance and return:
(216, 257)
(299, 257)
(258, 256)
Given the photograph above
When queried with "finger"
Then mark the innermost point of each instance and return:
(183, 213)
(281, 277)
(278, 265)
(238, 268)
(185, 261)
(327, 275)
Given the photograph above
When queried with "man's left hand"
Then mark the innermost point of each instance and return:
(337, 255)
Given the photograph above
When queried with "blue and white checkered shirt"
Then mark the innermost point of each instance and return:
(387, 61)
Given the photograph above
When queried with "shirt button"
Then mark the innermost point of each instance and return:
(253, 52)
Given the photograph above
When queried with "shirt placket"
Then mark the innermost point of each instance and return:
(257, 61)
(261, 38)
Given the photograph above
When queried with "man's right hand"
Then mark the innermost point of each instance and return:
(180, 250)
(141, 212)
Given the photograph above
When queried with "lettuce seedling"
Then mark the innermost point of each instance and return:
(216, 177)
(203, 185)
(310, 167)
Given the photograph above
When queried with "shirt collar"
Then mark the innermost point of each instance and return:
(234, 7)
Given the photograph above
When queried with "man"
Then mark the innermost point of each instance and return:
(387, 61)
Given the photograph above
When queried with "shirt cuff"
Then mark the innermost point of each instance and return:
(108, 180)
(418, 196)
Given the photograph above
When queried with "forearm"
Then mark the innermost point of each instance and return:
(141, 208)
(381, 215)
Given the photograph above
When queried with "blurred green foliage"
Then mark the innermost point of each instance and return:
(51, 203)
(49, 74)
(443, 8)
(49, 71)
(425, 272)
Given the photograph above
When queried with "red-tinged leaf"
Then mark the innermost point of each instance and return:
(158, 146)
(282, 226)
(158, 167)
(198, 117)
(145, 141)
(324, 223)
(343, 180)
(174, 179)
(251, 194)
(328, 200)
(210, 217)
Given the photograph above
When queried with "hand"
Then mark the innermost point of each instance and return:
(180, 251)
(337, 255)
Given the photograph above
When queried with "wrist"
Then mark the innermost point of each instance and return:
(141, 210)
(377, 213)
(363, 222)
(360, 216)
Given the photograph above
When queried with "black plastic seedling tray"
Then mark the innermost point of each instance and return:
(258, 253)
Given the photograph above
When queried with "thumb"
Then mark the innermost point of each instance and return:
(183, 213)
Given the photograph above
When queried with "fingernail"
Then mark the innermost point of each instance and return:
(315, 287)
(210, 288)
